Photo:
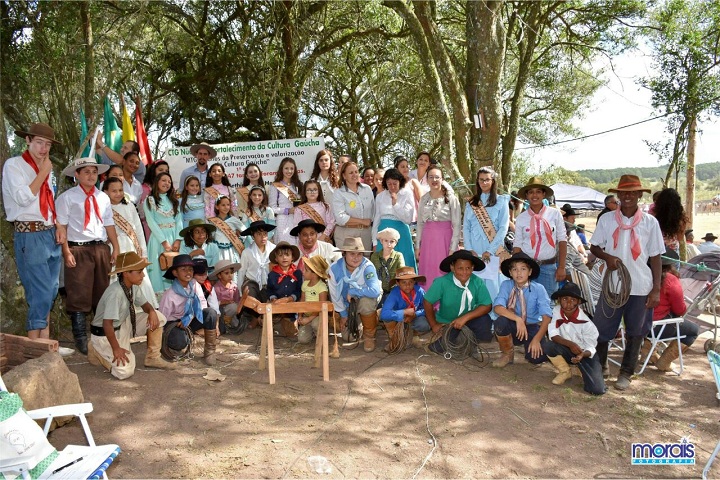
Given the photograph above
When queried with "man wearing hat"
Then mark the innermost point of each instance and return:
(691, 250)
(203, 153)
(405, 304)
(628, 237)
(355, 277)
(464, 299)
(307, 232)
(709, 246)
(540, 233)
(255, 267)
(185, 302)
(116, 322)
(27, 189)
(85, 215)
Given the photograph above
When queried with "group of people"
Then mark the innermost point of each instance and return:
(339, 237)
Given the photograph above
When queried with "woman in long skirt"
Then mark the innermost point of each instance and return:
(395, 208)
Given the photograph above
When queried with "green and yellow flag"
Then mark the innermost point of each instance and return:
(113, 135)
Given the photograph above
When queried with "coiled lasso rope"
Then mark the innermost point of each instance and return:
(462, 347)
(622, 285)
(399, 338)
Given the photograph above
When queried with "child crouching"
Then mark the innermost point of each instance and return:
(404, 304)
(314, 289)
(573, 338)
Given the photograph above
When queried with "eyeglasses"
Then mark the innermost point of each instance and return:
(484, 180)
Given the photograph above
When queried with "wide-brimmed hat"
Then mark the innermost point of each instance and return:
(352, 244)
(570, 289)
(406, 273)
(200, 266)
(72, 169)
(255, 226)
(318, 265)
(198, 222)
(521, 257)
(129, 262)
(478, 264)
(221, 266)
(688, 231)
(670, 257)
(178, 261)
(568, 210)
(629, 183)
(284, 246)
(709, 237)
(535, 182)
(39, 130)
(194, 149)
(319, 227)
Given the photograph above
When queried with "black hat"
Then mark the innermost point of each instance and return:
(200, 266)
(710, 237)
(478, 264)
(688, 231)
(670, 257)
(521, 257)
(178, 261)
(255, 226)
(568, 210)
(319, 227)
(570, 289)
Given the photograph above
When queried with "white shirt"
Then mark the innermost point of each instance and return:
(708, 247)
(651, 243)
(327, 189)
(324, 249)
(133, 191)
(584, 334)
(347, 203)
(71, 212)
(251, 268)
(403, 210)
(19, 202)
(522, 234)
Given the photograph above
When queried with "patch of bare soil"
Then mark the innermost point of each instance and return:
(383, 416)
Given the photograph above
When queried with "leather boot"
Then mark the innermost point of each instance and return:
(79, 330)
(288, 327)
(209, 352)
(664, 364)
(508, 351)
(564, 372)
(369, 323)
(152, 357)
(96, 359)
(391, 328)
(645, 350)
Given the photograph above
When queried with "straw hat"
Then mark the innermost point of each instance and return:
(318, 265)
(129, 262)
(406, 273)
(72, 169)
(194, 149)
(39, 130)
(535, 182)
(353, 244)
(629, 183)
(221, 266)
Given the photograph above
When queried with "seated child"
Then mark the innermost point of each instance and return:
(228, 295)
(573, 338)
(404, 304)
(314, 289)
(464, 300)
(521, 304)
(199, 241)
(184, 302)
(255, 266)
(200, 274)
(284, 282)
(387, 261)
(116, 322)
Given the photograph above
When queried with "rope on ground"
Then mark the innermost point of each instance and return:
(427, 419)
(462, 346)
(399, 338)
(622, 285)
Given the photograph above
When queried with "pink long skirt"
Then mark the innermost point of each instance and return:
(434, 247)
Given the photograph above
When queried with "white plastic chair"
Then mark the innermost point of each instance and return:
(656, 339)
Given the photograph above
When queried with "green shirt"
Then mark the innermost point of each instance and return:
(386, 269)
(444, 290)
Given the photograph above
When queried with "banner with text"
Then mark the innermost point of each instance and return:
(266, 154)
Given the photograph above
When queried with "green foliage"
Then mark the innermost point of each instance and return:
(703, 171)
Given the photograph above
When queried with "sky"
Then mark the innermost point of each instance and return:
(623, 101)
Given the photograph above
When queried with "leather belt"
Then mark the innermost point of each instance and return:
(85, 244)
(100, 331)
(548, 261)
(30, 227)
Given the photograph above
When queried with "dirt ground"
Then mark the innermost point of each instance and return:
(386, 416)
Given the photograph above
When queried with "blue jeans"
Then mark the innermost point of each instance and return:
(210, 318)
(481, 328)
(590, 368)
(505, 327)
(547, 278)
(38, 260)
(420, 324)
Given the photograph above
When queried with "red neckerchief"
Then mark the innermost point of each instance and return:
(47, 202)
(290, 272)
(409, 300)
(573, 318)
(206, 287)
(88, 196)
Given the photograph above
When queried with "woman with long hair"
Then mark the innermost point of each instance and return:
(670, 214)
(325, 172)
(154, 169)
(284, 195)
(217, 184)
(253, 177)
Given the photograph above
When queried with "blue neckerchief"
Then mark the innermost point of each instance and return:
(193, 307)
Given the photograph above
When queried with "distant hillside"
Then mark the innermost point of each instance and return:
(703, 172)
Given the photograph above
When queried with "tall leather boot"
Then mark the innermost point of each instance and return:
(664, 364)
(210, 343)
(391, 327)
(564, 371)
(369, 323)
(508, 351)
(152, 357)
(645, 350)
(79, 330)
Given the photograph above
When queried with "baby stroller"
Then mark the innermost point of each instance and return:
(700, 279)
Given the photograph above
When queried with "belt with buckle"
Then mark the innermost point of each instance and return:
(100, 331)
(30, 227)
(85, 244)
(548, 261)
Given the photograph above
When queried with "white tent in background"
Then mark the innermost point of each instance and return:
(578, 197)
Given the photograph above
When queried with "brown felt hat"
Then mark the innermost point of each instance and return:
(284, 246)
(535, 182)
(318, 265)
(406, 273)
(39, 130)
(129, 262)
(194, 149)
(629, 183)
(353, 244)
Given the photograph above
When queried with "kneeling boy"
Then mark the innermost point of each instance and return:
(404, 304)
(116, 322)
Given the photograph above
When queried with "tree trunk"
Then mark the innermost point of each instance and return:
(89, 93)
(690, 188)
(287, 83)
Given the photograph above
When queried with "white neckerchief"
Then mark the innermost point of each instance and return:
(263, 261)
(466, 296)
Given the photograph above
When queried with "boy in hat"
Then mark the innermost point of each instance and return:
(284, 282)
(540, 233)
(307, 232)
(708, 246)
(27, 189)
(116, 322)
(628, 237)
(464, 299)
(405, 304)
(185, 302)
(255, 267)
(314, 289)
(573, 338)
(354, 277)
(88, 258)
(388, 260)
(198, 241)
(226, 294)
(524, 311)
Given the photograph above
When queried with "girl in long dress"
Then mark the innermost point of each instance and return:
(153, 170)
(257, 210)
(395, 208)
(192, 201)
(253, 177)
(284, 195)
(217, 184)
(315, 208)
(326, 173)
(439, 225)
(227, 235)
(164, 218)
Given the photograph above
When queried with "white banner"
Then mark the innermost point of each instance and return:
(267, 154)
